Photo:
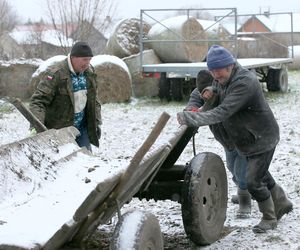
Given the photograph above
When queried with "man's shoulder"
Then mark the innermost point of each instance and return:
(58, 67)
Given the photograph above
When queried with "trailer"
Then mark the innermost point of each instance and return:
(178, 79)
(61, 216)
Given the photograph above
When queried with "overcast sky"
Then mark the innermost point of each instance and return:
(34, 9)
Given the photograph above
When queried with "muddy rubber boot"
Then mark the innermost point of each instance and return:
(282, 204)
(268, 221)
(235, 198)
(244, 210)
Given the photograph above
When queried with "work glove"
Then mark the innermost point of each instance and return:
(98, 132)
(192, 109)
(32, 132)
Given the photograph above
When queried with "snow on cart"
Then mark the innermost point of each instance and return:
(41, 210)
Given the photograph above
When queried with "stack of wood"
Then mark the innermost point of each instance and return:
(113, 78)
(124, 40)
(178, 39)
(142, 87)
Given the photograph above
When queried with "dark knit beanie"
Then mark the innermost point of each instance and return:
(81, 49)
(204, 79)
(218, 57)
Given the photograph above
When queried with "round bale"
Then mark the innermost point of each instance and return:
(177, 39)
(113, 77)
(142, 86)
(124, 40)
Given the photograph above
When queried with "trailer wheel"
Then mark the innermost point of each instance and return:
(277, 80)
(204, 198)
(177, 89)
(164, 87)
(137, 230)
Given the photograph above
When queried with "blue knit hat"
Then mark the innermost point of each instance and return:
(218, 57)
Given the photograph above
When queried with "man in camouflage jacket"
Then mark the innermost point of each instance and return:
(67, 96)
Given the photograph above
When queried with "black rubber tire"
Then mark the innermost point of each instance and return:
(277, 80)
(164, 91)
(177, 89)
(145, 235)
(204, 198)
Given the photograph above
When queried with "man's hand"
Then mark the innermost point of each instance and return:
(180, 121)
(207, 93)
(192, 109)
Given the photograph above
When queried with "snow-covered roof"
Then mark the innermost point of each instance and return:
(280, 22)
(30, 36)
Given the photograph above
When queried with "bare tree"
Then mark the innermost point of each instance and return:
(8, 17)
(82, 16)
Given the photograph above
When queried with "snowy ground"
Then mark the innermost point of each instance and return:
(125, 126)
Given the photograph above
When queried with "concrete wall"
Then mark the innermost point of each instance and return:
(15, 77)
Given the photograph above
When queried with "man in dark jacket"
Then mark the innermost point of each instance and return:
(235, 162)
(251, 125)
(67, 96)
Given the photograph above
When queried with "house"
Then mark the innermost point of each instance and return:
(10, 48)
(272, 22)
(269, 35)
(40, 40)
(88, 33)
(44, 41)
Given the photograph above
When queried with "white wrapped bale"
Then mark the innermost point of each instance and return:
(179, 28)
(142, 86)
(125, 38)
(113, 78)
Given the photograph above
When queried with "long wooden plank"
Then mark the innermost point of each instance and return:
(34, 121)
(92, 222)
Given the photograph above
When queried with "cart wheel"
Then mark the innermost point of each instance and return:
(137, 230)
(204, 198)
(277, 80)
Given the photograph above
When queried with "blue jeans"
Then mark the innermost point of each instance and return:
(237, 165)
(83, 139)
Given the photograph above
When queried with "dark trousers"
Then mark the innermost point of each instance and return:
(83, 139)
(259, 179)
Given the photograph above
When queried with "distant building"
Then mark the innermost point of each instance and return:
(269, 35)
(44, 41)
(10, 48)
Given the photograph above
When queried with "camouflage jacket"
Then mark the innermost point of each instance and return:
(53, 100)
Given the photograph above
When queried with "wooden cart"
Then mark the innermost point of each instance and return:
(200, 186)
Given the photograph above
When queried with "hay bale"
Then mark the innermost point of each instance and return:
(124, 40)
(113, 77)
(178, 28)
(215, 32)
(142, 86)
(41, 70)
